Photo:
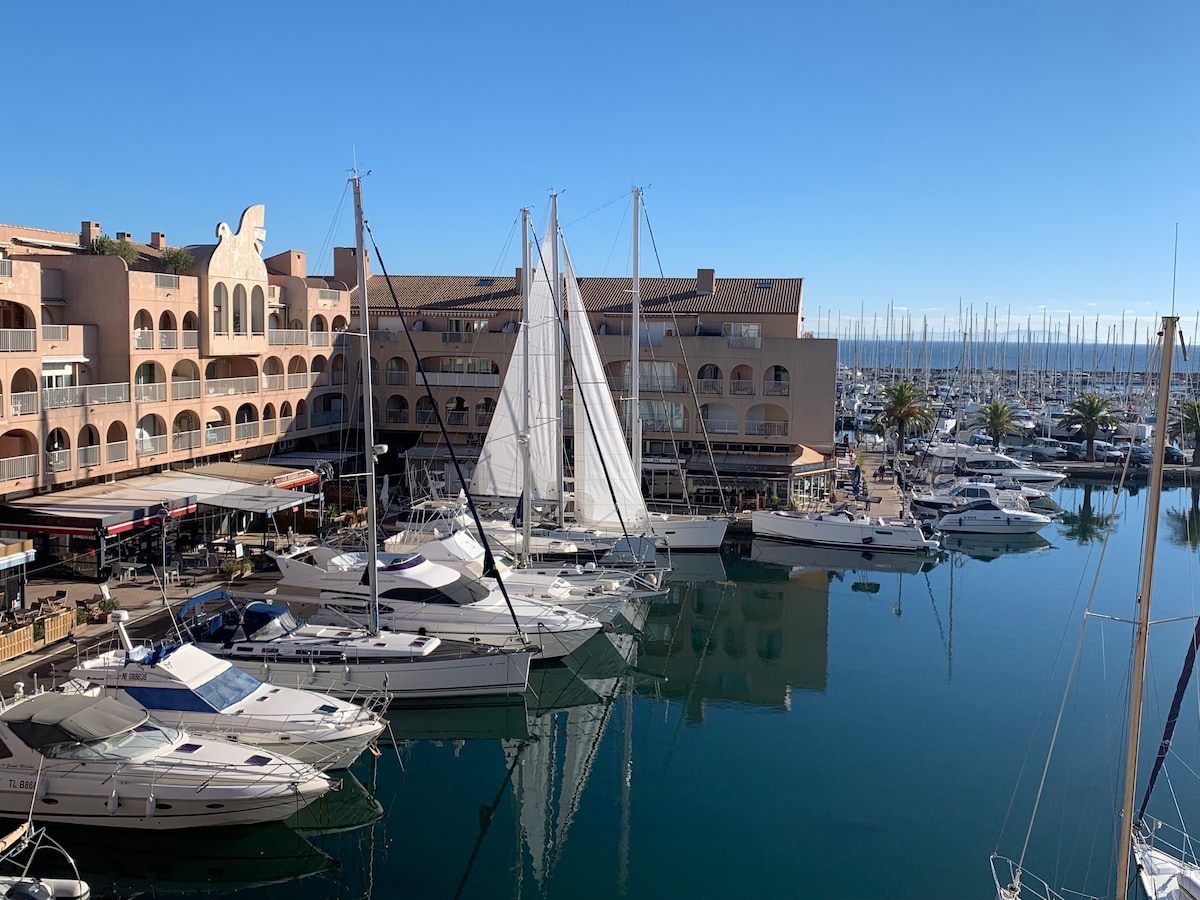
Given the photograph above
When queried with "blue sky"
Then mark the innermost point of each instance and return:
(1028, 157)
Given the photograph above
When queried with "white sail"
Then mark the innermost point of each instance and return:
(603, 469)
(499, 471)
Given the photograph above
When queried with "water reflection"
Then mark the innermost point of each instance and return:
(202, 861)
(799, 557)
(987, 547)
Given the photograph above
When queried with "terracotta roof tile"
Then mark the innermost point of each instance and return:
(474, 294)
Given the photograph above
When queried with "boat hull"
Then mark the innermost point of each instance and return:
(481, 675)
(688, 532)
(843, 530)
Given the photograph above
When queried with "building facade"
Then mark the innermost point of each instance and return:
(730, 383)
(110, 368)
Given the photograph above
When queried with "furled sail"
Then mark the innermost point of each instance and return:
(499, 472)
(603, 469)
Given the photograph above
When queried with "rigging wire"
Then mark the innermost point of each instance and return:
(490, 568)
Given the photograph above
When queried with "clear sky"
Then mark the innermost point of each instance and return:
(1031, 157)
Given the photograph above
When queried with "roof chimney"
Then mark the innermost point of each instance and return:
(706, 281)
(88, 232)
(158, 240)
(345, 265)
(123, 236)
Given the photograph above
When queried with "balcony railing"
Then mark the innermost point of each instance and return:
(273, 382)
(143, 339)
(297, 381)
(155, 392)
(268, 426)
(327, 294)
(661, 426)
(744, 343)
(85, 395)
(382, 335)
(775, 429)
(709, 386)
(152, 445)
(17, 339)
(191, 340)
(166, 281)
(741, 387)
(284, 337)
(718, 426)
(286, 424)
(318, 338)
(425, 416)
(395, 416)
(24, 403)
(55, 332)
(18, 467)
(58, 461)
(185, 390)
(483, 418)
(217, 434)
(220, 387)
(5, 268)
(777, 388)
(458, 337)
(397, 377)
(337, 377)
(457, 417)
(185, 440)
(243, 431)
(463, 379)
(301, 422)
(86, 457)
(168, 340)
(117, 451)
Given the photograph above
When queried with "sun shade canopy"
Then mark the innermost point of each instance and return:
(49, 719)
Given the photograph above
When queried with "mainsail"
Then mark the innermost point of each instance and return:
(499, 472)
(603, 469)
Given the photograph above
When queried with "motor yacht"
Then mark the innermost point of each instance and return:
(88, 760)
(187, 687)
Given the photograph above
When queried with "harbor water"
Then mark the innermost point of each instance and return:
(785, 722)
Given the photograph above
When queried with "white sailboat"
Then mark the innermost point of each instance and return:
(1166, 870)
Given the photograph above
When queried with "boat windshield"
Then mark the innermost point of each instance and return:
(230, 687)
(146, 738)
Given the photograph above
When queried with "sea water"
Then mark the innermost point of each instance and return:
(787, 723)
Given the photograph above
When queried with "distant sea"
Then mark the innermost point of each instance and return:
(942, 355)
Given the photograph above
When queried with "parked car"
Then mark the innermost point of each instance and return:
(1044, 449)
(1173, 455)
(1104, 452)
(1073, 451)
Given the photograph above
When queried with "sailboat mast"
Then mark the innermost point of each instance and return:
(1142, 635)
(556, 287)
(635, 418)
(526, 412)
(368, 412)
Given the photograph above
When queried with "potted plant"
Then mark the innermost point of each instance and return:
(231, 568)
(105, 608)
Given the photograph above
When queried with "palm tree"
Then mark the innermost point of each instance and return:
(996, 420)
(1184, 524)
(1084, 525)
(1188, 424)
(904, 406)
(1091, 413)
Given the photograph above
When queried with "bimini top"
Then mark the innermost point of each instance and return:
(47, 719)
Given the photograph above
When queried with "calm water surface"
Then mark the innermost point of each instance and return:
(785, 723)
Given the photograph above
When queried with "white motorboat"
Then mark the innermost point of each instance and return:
(185, 686)
(97, 761)
(959, 460)
(265, 640)
(842, 528)
(968, 490)
(416, 595)
(19, 867)
(986, 516)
